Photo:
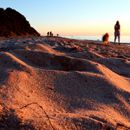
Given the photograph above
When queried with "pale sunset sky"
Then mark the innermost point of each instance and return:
(74, 17)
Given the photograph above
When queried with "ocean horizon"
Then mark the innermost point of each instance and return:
(123, 39)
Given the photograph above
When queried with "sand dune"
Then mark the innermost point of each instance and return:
(64, 84)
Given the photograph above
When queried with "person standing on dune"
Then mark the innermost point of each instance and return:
(117, 32)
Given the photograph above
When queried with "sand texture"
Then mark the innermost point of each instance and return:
(64, 84)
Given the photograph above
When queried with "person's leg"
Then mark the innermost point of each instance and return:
(119, 39)
(115, 39)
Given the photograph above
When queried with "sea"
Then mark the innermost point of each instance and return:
(123, 39)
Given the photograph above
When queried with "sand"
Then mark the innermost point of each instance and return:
(64, 84)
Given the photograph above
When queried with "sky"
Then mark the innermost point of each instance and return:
(74, 17)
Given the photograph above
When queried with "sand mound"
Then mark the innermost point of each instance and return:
(42, 47)
(10, 61)
(45, 89)
(55, 62)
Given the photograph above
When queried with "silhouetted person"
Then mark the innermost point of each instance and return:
(105, 39)
(47, 34)
(117, 32)
(50, 34)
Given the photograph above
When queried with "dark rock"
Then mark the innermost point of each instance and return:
(12, 23)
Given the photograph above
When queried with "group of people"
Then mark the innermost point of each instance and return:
(105, 37)
(50, 34)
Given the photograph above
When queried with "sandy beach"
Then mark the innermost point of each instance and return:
(51, 83)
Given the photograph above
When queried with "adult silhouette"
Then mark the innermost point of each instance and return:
(117, 32)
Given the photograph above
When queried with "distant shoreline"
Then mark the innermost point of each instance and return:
(124, 39)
